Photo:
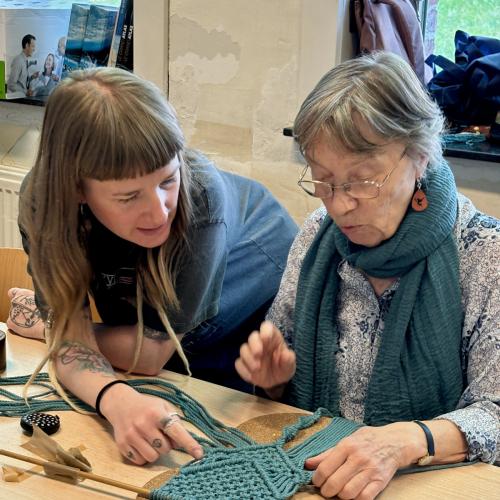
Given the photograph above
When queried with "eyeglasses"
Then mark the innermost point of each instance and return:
(360, 190)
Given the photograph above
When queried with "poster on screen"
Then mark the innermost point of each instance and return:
(33, 71)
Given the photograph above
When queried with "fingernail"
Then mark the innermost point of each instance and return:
(198, 453)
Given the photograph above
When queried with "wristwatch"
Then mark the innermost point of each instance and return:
(427, 458)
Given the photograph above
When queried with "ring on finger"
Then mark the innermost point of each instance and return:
(130, 454)
(169, 420)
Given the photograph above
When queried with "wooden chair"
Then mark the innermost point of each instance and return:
(13, 273)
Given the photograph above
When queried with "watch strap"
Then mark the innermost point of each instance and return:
(426, 459)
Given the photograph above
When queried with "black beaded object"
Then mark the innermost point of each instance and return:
(47, 423)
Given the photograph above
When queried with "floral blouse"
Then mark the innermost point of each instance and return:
(361, 314)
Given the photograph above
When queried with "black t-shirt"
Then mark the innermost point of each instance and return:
(238, 245)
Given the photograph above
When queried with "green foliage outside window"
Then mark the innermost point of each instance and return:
(476, 17)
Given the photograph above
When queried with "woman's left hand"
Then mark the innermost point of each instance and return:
(362, 464)
(24, 316)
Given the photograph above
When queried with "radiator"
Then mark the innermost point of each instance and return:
(10, 182)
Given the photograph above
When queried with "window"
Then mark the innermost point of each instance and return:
(442, 18)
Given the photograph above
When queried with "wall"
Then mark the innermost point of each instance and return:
(235, 72)
(151, 40)
(238, 72)
(479, 181)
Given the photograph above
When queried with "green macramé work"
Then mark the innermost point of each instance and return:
(255, 471)
(234, 466)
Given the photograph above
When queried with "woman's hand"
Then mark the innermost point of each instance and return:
(362, 464)
(265, 360)
(24, 316)
(145, 427)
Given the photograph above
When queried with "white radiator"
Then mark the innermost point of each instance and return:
(10, 182)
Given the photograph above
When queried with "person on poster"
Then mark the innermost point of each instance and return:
(20, 76)
(59, 57)
(47, 80)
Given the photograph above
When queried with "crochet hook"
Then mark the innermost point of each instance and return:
(72, 472)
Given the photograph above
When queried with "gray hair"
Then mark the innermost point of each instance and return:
(384, 90)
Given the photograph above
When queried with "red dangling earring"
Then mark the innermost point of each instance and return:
(419, 201)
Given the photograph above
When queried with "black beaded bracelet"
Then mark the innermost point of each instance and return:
(102, 392)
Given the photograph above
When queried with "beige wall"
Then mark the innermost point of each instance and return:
(238, 72)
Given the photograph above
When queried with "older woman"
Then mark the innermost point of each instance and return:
(391, 298)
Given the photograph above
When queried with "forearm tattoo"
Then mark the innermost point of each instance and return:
(149, 333)
(86, 358)
(24, 312)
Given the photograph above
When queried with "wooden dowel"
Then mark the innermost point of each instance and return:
(72, 471)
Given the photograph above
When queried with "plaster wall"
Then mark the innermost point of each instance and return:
(238, 72)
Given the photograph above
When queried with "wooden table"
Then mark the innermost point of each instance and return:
(479, 481)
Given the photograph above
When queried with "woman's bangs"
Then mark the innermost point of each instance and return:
(127, 147)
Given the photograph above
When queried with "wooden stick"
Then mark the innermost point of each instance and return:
(72, 472)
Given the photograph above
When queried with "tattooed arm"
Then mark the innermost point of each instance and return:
(118, 345)
(137, 419)
(24, 316)
(80, 366)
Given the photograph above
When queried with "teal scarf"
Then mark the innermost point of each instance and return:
(417, 373)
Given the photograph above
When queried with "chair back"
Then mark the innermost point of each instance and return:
(13, 273)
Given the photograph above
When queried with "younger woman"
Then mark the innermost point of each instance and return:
(171, 249)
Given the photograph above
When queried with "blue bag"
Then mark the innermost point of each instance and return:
(468, 90)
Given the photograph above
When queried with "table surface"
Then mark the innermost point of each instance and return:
(478, 481)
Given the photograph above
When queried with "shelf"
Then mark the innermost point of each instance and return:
(483, 151)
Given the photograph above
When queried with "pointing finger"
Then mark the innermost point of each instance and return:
(183, 439)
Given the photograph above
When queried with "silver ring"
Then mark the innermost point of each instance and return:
(130, 454)
(169, 420)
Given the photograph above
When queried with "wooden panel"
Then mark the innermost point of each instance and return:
(13, 273)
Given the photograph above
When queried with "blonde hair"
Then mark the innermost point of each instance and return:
(385, 92)
(102, 124)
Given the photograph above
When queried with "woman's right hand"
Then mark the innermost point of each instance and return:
(143, 425)
(266, 360)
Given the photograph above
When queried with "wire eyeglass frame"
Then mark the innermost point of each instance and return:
(347, 187)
